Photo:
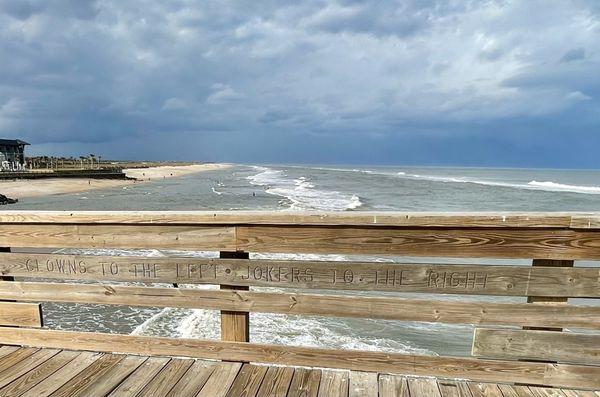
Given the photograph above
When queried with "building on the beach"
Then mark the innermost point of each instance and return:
(12, 154)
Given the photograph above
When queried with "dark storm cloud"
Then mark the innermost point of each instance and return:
(475, 82)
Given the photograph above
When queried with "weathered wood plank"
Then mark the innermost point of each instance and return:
(220, 381)
(27, 381)
(454, 389)
(477, 243)
(118, 236)
(456, 312)
(103, 385)
(451, 242)
(248, 381)
(276, 382)
(578, 393)
(355, 218)
(563, 375)
(484, 390)
(235, 325)
(131, 386)
(20, 314)
(553, 300)
(539, 345)
(546, 392)
(515, 391)
(363, 384)
(166, 379)
(26, 365)
(305, 383)
(392, 277)
(585, 221)
(334, 384)
(393, 386)
(193, 380)
(88, 376)
(6, 350)
(65, 374)
(15, 357)
(423, 387)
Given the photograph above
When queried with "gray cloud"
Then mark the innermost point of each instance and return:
(94, 75)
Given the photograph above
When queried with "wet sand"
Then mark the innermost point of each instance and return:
(44, 187)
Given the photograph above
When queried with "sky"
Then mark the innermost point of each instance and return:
(512, 83)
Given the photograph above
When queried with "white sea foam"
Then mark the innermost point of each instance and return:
(559, 187)
(301, 194)
(532, 185)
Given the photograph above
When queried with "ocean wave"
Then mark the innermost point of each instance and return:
(548, 186)
(301, 194)
(532, 185)
(559, 187)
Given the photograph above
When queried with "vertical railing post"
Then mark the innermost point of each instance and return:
(551, 300)
(548, 300)
(6, 278)
(235, 326)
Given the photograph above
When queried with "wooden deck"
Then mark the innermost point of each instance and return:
(33, 372)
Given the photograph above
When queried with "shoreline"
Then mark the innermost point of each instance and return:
(18, 189)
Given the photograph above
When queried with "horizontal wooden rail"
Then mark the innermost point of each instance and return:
(562, 375)
(574, 220)
(537, 345)
(323, 305)
(483, 313)
(352, 240)
(582, 282)
(20, 314)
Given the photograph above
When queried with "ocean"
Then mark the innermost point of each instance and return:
(321, 188)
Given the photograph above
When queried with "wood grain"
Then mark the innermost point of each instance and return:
(485, 390)
(167, 378)
(563, 375)
(423, 387)
(390, 277)
(235, 323)
(333, 384)
(131, 386)
(455, 312)
(393, 386)
(88, 376)
(193, 380)
(110, 379)
(53, 382)
(24, 383)
(15, 357)
(363, 384)
(355, 218)
(276, 382)
(539, 345)
(118, 236)
(446, 242)
(464, 243)
(248, 381)
(220, 380)
(454, 388)
(26, 365)
(20, 314)
(305, 383)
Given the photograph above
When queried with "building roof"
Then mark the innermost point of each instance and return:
(12, 142)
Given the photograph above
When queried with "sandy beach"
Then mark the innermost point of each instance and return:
(43, 187)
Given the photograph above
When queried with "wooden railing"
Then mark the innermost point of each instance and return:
(535, 348)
